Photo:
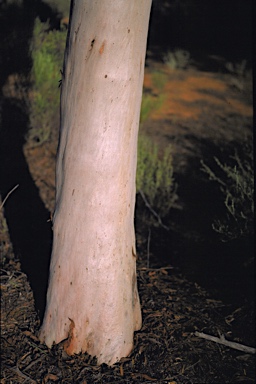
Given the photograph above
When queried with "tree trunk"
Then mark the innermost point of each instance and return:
(92, 298)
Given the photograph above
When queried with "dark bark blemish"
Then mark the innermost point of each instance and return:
(92, 43)
(76, 32)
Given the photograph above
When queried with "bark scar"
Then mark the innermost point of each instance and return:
(68, 343)
(101, 50)
(76, 32)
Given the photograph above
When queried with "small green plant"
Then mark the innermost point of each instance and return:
(159, 80)
(238, 69)
(178, 59)
(154, 180)
(236, 182)
(150, 104)
(47, 52)
(240, 73)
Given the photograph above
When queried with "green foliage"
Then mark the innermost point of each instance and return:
(47, 51)
(238, 69)
(178, 59)
(150, 104)
(159, 80)
(236, 182)
(154, 180)
(240, 74)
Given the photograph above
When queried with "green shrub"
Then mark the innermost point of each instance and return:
(150, 104)
(178, 59)
(236, 181)
(159, 80)
(154, 180)
(238, 69)
(241, 74)
(47, 52)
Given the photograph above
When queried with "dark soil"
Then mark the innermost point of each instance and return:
(166, 349)
(188, 279)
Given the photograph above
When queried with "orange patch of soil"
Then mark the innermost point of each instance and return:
(190, 93)
(147, 80)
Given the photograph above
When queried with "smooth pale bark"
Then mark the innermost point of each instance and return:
(92, 298)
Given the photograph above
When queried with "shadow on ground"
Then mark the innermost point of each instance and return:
(226, 269)
(26, 216)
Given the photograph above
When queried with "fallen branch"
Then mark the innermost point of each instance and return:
(19, 373)
(230, 344)
(153, 269)
(8, 194)
(148, 246)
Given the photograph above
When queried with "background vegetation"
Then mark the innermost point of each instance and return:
(47, 52)
(236, 181)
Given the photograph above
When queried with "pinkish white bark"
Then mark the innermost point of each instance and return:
(92, 298)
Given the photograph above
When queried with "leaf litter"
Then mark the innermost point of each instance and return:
(166, 349)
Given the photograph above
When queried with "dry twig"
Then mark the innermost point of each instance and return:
(230, 344)
(154, 213)
(19, 373)
(8, 194)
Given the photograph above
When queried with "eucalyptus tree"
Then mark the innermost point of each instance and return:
(92, 300)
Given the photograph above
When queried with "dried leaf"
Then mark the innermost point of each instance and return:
(50, 376)
(30, 334)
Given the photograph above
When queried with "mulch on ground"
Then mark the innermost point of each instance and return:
(166, 349)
